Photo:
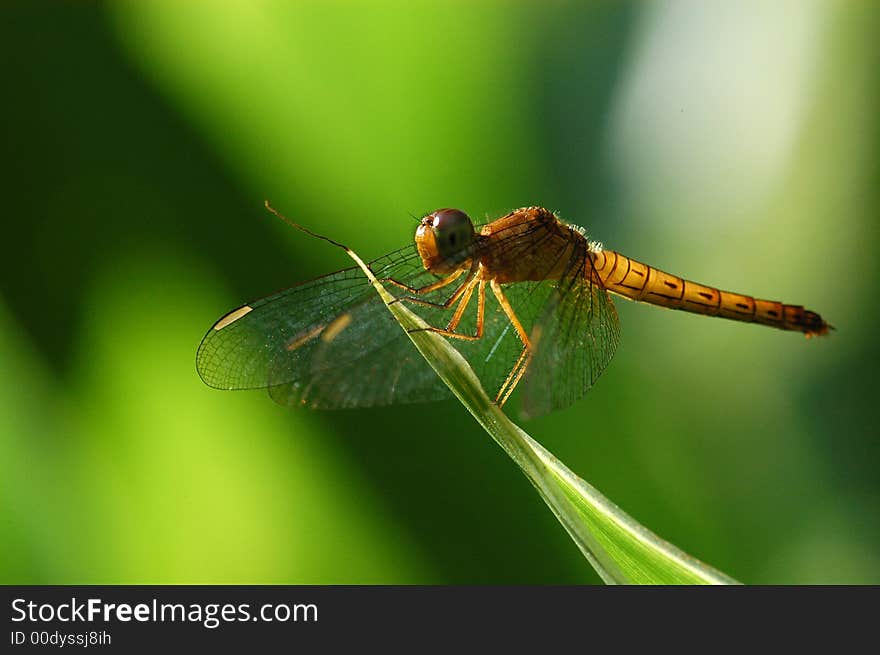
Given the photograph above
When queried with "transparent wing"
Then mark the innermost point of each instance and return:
(326, 343)
(573, 340)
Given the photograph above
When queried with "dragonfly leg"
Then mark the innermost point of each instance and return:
(519, 368)
(428, 288)
(513, 378)
(449, 302)
(473, 283)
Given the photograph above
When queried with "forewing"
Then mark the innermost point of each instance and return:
(329, 342)
(362, 359)
(573, 340)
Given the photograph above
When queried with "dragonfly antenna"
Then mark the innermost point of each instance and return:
(304, 229)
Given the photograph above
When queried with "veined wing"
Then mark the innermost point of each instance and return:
(326, 343)
(573, 339)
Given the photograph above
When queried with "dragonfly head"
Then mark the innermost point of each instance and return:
(445, 239)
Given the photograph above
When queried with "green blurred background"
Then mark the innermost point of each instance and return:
(734, 144)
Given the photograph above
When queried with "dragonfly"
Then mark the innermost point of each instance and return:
(526, 299)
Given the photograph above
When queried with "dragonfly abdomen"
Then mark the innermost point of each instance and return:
(632, 279)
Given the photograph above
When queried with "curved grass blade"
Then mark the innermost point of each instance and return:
(620, 549)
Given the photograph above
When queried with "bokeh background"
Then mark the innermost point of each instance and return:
(736, 144)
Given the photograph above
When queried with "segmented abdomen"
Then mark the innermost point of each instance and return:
(633, 279)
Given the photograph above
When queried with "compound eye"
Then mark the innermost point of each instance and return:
(453, 230)
(444, 219)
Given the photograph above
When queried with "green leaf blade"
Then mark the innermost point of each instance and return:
(621, 550)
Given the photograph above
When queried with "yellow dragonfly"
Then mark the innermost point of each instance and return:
(526, 299)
